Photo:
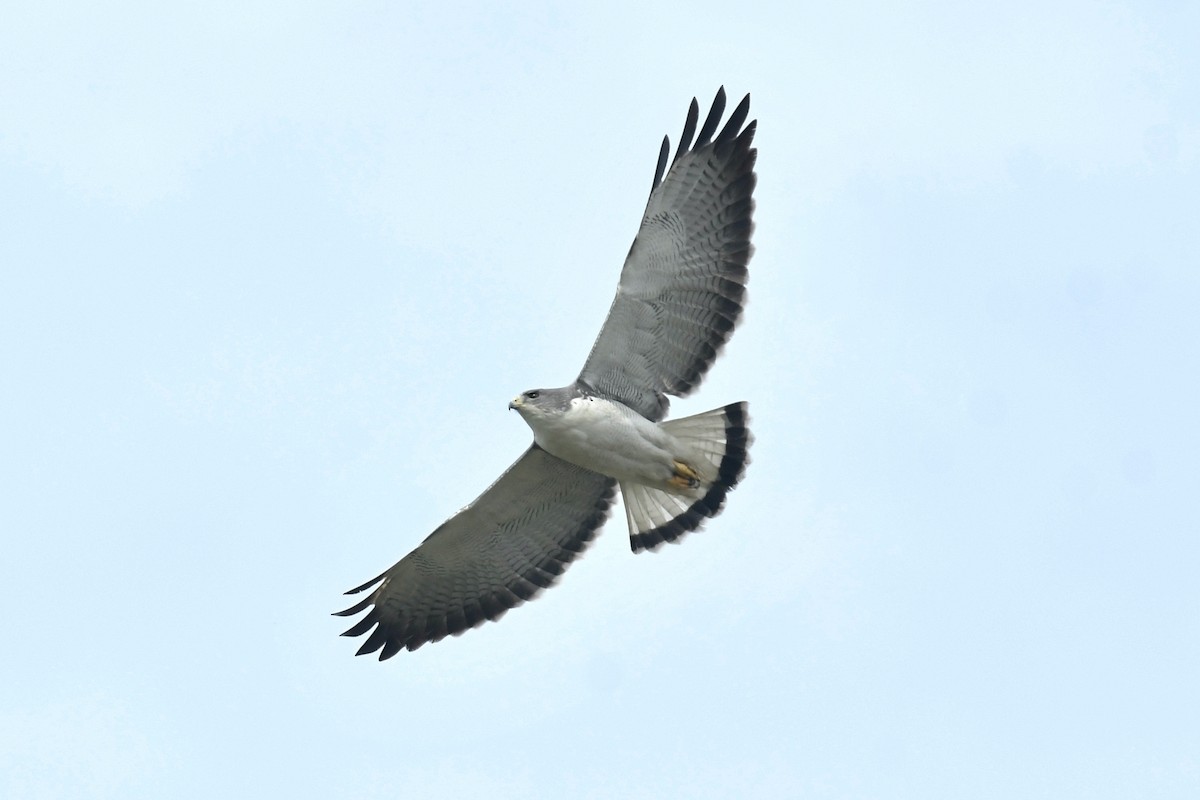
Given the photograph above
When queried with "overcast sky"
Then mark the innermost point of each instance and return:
(270, 273)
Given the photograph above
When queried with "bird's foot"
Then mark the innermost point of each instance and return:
(685, 477)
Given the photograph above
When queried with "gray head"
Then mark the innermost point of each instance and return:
(545, 401)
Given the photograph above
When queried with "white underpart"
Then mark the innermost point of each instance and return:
(647, 508)
(612, 439)
(702, 433)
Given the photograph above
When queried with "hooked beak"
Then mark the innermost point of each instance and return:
(516, 403)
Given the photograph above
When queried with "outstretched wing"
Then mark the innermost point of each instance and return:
(498, 552)
(683, 282)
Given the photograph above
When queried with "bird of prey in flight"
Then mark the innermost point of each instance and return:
(680, 295)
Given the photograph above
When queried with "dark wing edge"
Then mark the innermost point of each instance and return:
(515, 540)
(705, 199)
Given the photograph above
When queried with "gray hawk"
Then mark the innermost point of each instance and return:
(680, 295)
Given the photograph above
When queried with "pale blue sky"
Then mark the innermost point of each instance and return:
(270, 273)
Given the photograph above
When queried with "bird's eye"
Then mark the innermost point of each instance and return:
(533, 395)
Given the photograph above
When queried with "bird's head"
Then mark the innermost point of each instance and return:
(525, 400)
(544, 402)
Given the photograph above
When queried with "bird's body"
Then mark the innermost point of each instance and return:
(679, 298)
(605, 436)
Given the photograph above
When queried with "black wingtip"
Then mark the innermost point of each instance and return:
(368, 584)
(360, 627)
(354, 609)
(689, 130)
(663, 153)
(375, 641)
(689, 141)
(734, 125)
(713, 119)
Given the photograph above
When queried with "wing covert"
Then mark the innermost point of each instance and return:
(501, 550)
(682, 287)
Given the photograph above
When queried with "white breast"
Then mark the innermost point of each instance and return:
(606, 437)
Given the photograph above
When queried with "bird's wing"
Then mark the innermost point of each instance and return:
(498, 552)
(683, 283)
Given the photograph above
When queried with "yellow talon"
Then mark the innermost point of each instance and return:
(685, 477)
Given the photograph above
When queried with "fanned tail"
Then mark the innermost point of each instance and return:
(723, 437)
